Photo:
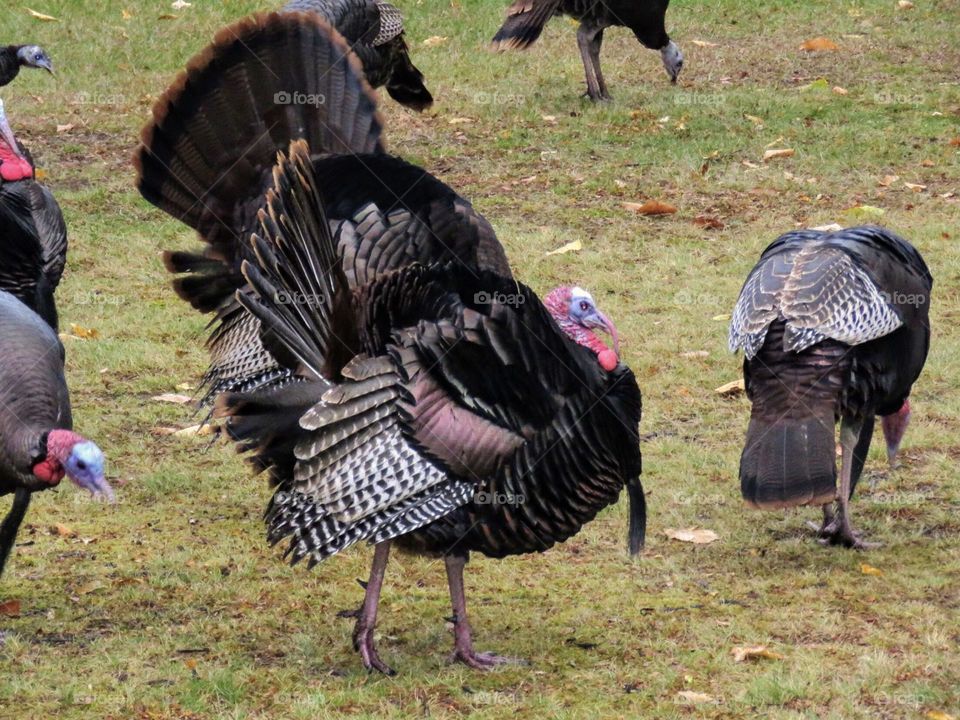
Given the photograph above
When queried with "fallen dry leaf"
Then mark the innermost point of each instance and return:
(916, 187)
(180, 5)
(754, 119)
(954, 142)
(10, 608)
(650, 207)
(731, 388)
(167, 16)
(126, 14)
(938, 715)
(460, 121)
(689, 697)
(65, 128)
(832, 227)
(704, 43)
(819, 44)
(709, 222)
(41, 16)
(172, 398)
(840, 91)
(82, 332)
(196, 430)
(574, 246)
(757, 652)
(774, 153)
(888, 180)
(720, 317)
(697, 536)
(184, 386)
(62, 531)
(905, 5)
(434, 41)
(927, 162)
(864, 213)
(89, 587)
(693, 354)
(870, 569)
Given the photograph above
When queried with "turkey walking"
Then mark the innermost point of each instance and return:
(834, 326)
(13, 57)
(646, 18)
(371, 346)
(374, 30)
(33, 234)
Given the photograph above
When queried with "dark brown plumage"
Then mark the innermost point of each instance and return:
(405, 386)
(834, 326)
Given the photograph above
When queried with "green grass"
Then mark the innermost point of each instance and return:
(170, 605)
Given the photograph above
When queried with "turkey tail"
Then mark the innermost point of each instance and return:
(406, 85)
(524, 23)
(264, 82)
(788, 462)
(789, 457)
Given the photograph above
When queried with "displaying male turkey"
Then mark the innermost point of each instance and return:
(834, 326)
(386, 370)
(13, 57)
(33, 234)
(646, 18)
(374, 30)
(37, 444)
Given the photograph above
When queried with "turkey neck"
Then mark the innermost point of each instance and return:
(558, 481)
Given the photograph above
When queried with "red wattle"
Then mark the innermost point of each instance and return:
(608, 359)
(13, 167)
(49, 471)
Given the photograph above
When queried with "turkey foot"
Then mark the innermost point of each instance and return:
(463, 643)
(829, 525)
(367, 614)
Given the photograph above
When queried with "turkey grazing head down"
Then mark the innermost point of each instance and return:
(834, 326)
(646, 18)
(371, 348)
(13, 57)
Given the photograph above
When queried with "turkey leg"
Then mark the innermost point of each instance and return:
(367, 615)
(11, 524)
(830, 523)
(463, 643)
(585, 39)
(842, 531)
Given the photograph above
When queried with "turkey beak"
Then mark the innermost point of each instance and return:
(98, 487)
(602, 322)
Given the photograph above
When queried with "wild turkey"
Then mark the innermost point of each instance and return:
(37, 444)
(33, 234)
(387, 371)
(834, 326)
(13, 57)
(374, 30)
(526, 18)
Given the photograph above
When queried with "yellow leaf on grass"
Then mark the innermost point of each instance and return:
(819, 44)
(126, 14)
(704, 43)
(62, 530)
(916, 187)
(574, 246)
(83, 332)
(650, 207)
(65, 128)
(460, 121)
(731, 388)
(757, 652)
(41, 16)
(434, 41)
(840, 91)
(697, 536)
(10, 608)
(172, 398)
(870, 569)
(888, 180)
(938, 715)
(905, 5)
(863, 213)
(774, 153)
